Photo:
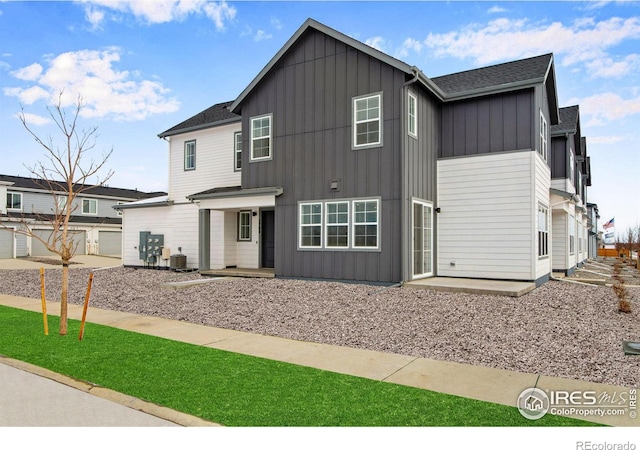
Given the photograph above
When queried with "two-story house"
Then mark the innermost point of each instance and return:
(346, 163)
(570, 177)
(96, 226)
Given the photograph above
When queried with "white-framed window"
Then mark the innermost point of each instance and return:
(365, 224)
(237, 151)
(572, 168)
(90, 206)
(61, 203)
(422, 238)
(261, 138)
(190, 155)
(572, 235)
(310, 225)
(349, 224)
(367, 121)
(543, 231)
(412, 115)
(244, 225)
(14, 201)
(337, 224)
(544, 136)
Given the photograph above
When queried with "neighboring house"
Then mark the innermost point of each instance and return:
(592, 225)
(570, 177)
(341, 162)
(96, 225)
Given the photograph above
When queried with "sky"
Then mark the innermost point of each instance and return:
(142, 67)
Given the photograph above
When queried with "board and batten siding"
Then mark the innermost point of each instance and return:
(309, 94)
(178, 224)
(214, 161)
(486, 219)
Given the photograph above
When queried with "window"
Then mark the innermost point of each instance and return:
(572, 168)
(544, 134)
(365, 223)
(90, 206)
(244, 226)
(310, 225)
(337, 225)
(572, 235)
(261, 138)
(14, 201)
(61, 203)
(413, 115)
(237, 151)
(543, 231)
(367, 121)
(190, 155)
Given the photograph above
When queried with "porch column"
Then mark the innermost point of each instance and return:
(204, 239)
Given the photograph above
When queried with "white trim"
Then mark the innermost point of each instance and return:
(269, 137)
(90, 201)
(354, 224)
(12, 194)
(237, 139)
(309, 225)
(412, 120)
(188, 157)
(429, 205)
(247, 213)
(544, 209)
(543, 149)
(355, 122)
(337, 224)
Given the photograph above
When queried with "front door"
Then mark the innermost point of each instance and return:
(267, 238)
(422, 239)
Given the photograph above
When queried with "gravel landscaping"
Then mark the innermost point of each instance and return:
(560, 329)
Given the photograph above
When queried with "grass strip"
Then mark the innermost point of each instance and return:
(239, 390)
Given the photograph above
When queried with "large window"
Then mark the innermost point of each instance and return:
(90, 206)
(544, 136)
(14, 201)
(261, 138)
(543, 231)
(244, 226)
(412, 115)
(367, 121)
(344, 224)
(190, 155)
(237, 151)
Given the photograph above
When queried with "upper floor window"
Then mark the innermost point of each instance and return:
(261, 138)
(237, 151)
(61, 203)
(190, 155)
(544, 136)
(90, 206)
(367, 121)
(572, 167)
(412, 115)
(14, 201)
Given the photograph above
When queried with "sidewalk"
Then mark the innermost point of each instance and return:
(481, 383)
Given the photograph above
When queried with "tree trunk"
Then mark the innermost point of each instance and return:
(63, 298)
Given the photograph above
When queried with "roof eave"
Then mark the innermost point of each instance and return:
(490, 90)
(203, 126)
(276, 191)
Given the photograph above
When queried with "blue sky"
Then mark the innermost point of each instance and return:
(145, 66)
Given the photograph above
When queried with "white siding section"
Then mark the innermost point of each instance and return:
(541, 188)
(487, 216)
(230, 238)
(216, 239)
(563, 184)
(178, 224)
(214, 162)
(248, 252)
(559, 240)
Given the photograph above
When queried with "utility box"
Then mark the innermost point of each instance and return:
(178, 262)
(150, 247)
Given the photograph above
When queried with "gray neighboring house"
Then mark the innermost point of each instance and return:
(97, 227)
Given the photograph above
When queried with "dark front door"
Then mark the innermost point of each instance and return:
(267, 237)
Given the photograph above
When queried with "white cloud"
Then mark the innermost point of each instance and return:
(409, 45)
(376, 42)
(34, 119)
(155, 12)
(608, 68)
(261, 35)
(92, 75)
(606, 107)
(604, 140)
(29, 73)
(584, 41)
(496, 9)
(275, 23)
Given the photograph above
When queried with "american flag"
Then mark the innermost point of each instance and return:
(609, 224)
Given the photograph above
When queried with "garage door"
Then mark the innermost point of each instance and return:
(38, 248)
(110, 243)
(6, 243)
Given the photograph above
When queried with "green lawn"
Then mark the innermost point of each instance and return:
(238, 390)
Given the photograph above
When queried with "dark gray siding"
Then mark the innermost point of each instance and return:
(497, 123)
(559, 157)
(309, 93)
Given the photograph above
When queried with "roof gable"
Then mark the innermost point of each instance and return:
(569, 119)
(218, 114)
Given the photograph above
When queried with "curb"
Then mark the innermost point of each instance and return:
(137, 404)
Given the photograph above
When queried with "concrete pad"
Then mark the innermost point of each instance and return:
(188, 283)
(464, 380)
(243, 273)
(473, 286)
(610, 399)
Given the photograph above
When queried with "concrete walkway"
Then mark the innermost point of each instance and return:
(481, 383)
(78, 262)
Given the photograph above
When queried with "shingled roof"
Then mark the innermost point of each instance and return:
(215, 115)
(505, 74)
(568, 121)
(105, 191)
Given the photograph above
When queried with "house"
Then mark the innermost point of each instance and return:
(97, 227)
(341, 162)
(570, 177)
